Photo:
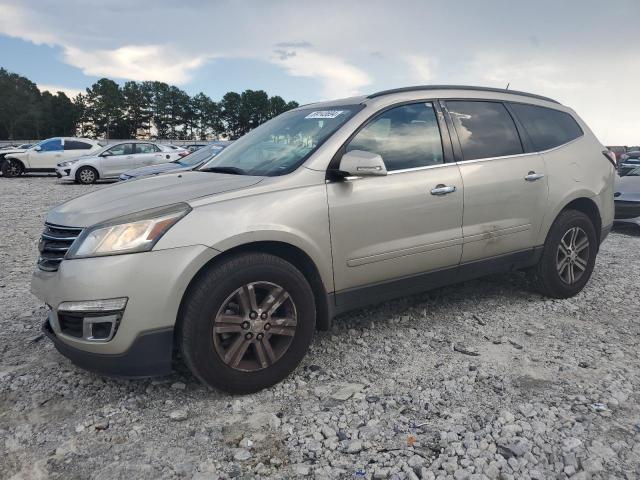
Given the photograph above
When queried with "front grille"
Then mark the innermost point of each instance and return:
(54, 244)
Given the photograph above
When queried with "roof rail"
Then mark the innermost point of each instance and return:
(459, 87)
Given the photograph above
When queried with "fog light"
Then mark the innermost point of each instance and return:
(91, 320)
(109, 305)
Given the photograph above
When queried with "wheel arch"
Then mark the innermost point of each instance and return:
(14, 159)
(80, 167)
(292, 254)
(583, 204)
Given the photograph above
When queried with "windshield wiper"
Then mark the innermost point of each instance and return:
(229, 170)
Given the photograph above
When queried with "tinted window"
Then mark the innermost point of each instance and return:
(146, 148)
(547, 128)
(75, 145)
(52, 145)
(122, 149)
(405, 137)
(485, 129)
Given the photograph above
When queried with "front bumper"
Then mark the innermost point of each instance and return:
(154, 283)
(63, 172)
(149, 355)
(627, 211)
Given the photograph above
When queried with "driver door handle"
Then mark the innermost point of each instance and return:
(443, 189)
(533, 176)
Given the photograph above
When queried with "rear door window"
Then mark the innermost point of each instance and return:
(405, 137)
(485, 129)
(546, 127)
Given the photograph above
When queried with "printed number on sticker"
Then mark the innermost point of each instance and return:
(325, 114)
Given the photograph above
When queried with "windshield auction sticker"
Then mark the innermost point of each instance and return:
(325, 114)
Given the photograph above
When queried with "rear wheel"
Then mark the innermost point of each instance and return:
(568, 256)
(247, 323)
(86, 175)
(12, 168)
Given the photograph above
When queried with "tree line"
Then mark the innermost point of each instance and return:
(133, 110)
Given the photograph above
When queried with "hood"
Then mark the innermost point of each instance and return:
(156, 169)
(130, 197)
(12, 150)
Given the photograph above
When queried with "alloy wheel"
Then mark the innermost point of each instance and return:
(572, 257)
(87, 176)
(255, 326)
(12, 169)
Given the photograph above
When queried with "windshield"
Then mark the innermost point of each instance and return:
(280, 145)
(200, 156)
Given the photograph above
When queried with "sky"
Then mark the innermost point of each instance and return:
(584, 53)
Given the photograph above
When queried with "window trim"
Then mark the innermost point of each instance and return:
(515, 115)
(460, 154)
(447, 150)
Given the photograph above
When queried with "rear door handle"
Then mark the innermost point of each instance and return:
(533, 176)
(443, 189)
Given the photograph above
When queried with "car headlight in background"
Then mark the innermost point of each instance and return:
(68, 163)
(138, 232)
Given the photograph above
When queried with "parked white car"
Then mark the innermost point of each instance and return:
(114, 159)
(44, 156)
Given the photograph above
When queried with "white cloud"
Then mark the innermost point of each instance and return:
(421, 68)
(53, 89)
(603, 100)
(339, 79)
(135, 62)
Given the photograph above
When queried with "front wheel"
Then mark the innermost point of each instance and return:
(12, 168)
(568, 256)
(247, 323)
(86, 175)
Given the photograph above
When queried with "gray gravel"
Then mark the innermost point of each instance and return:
(480, 380)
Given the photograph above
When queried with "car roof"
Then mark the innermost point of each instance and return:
(463, 91)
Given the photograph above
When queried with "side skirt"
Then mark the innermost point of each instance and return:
(359, 297)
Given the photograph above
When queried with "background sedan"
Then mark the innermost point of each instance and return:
(115, 159)
(189, 162)
(627, 196)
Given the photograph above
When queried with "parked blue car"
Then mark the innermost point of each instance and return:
(188, 162)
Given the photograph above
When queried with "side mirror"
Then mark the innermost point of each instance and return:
(106, 154)
(358, 163)
(37, 148)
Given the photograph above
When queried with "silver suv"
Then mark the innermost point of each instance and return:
(326, 208)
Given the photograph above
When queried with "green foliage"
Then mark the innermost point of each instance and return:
(133, 110)
(25, 113)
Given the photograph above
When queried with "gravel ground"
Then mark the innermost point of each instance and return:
(480, 380)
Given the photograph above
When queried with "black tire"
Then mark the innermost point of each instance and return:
(12, 168)
(549, 276)
(211, 291)
(86, 175)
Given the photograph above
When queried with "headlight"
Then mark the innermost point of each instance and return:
(68, 163)
(138, 232)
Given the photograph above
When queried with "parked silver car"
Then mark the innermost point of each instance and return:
(323, 209)
(627, 195)
(188, 162)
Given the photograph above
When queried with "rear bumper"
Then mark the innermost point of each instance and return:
(149, 355)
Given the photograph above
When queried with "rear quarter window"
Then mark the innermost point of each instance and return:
(75, 145)
(546, 127)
